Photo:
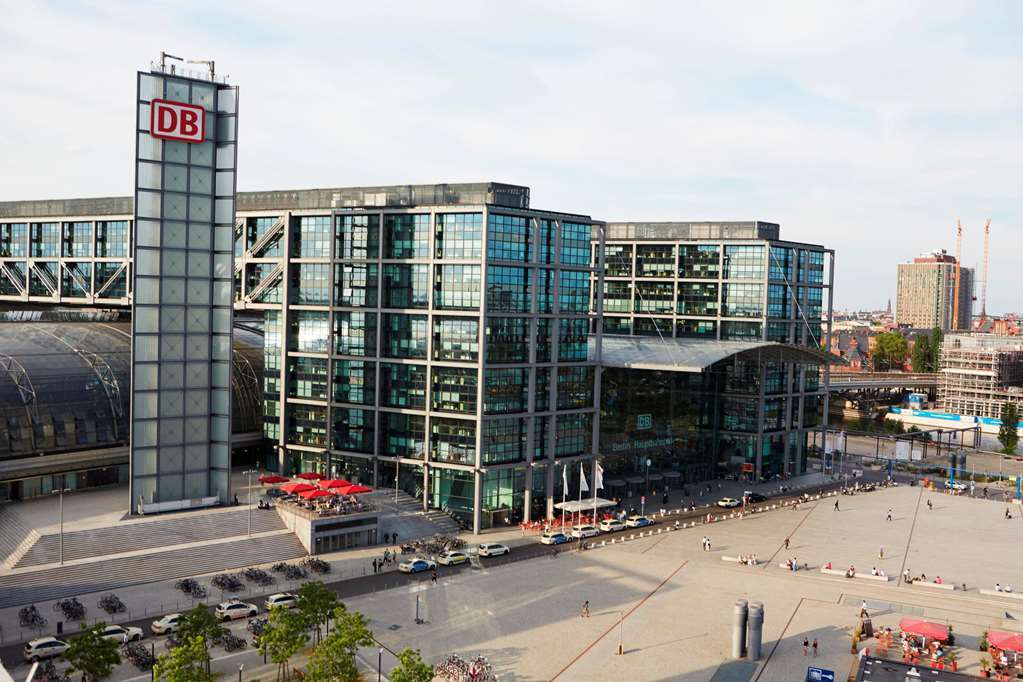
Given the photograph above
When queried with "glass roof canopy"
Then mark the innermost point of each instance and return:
(697, 355)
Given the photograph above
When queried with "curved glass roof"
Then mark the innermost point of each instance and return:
(65, 385)
(696, 355)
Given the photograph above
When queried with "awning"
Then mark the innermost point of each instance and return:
(633, 479)
(617, 482)
(696, 355)
(672, 474)
(924, 628)
(1010, 641)
(573, 506)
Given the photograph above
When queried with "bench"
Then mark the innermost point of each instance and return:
(864, 576)
(996, 593)
(736, 560)
(936, 586)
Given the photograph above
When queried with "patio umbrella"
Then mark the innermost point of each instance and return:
(354, 490)
(273, 478)
(314, 494)
(924, 628)
(297, 488)
(311, 476)
(1010, 641)
(329, 483)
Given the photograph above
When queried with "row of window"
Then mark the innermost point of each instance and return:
(798, 332)
(708, 261)
(69, 240)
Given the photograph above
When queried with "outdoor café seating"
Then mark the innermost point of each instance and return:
(1005, 650)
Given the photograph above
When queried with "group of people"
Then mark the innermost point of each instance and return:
(793, 564)
(706, 543)
(748, 559)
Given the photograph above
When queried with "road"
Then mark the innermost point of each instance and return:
(990, 463)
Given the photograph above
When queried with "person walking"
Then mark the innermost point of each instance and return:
(585, 613)
(806, 646)
(786, 543)
(1008, 514)
(376, 566)
(814, 647)
(836, 505)
(880, 552)
(889, 517)
(433, 576)
(863, 609)
(929, 505)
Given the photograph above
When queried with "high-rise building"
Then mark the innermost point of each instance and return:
(927, 291)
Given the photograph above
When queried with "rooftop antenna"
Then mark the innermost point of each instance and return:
(209, 65)
(164, 56)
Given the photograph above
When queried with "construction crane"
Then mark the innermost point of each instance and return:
(959, 257)
(983, 277)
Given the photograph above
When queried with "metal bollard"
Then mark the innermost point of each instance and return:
(756, 630)
(739, 628)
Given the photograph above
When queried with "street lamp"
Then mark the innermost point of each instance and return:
(248, 502)
(241, 667)
(380, 663)
(621, 626)
(60, 493)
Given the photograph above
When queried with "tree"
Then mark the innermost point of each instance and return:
(890, 351)
(187, 662)
(411, 668)
(935, 346)
(315, 603)
(922, 355)
(91, 654)
(1008, 435)
(200, 622)
(282, 638)
(334, 658)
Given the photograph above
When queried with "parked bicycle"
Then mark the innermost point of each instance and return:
(316, 565)
(290, 571)
(71, 608)
(138, 655)
(29, 617)
(227, 582)
(259, 576)
(112, 604)
(191, 588)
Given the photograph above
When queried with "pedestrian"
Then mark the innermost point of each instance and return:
(889, 517)
(585, 613)
(786, 543)
(815, 647)
(863, 609)
(985, 492)
(433, 576)
(375, 566)
(880, 552)
(836, 505)
(806, 646)
(929, 505)
(1008, 514)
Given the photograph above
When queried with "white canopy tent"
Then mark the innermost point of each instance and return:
(587, 504)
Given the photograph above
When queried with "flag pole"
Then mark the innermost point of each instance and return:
(564, 491)
(579, 514)
(595, 481)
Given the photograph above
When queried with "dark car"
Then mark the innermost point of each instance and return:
(752, 497)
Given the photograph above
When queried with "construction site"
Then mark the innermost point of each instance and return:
(979, 374)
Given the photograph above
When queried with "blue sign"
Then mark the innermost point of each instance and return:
(819, 675)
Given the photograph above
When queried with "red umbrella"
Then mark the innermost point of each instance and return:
(329, 483)
(311, 476)
(297, 488)
(273, 478)
(924, 628)
(354, 490)
(313, 494)
(1010, 641)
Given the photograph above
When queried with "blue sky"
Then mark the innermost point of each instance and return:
(869, 127)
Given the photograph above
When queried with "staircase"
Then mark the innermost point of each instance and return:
(411, 521)
(16, 538)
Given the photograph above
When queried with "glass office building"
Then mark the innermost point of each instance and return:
(736, 287)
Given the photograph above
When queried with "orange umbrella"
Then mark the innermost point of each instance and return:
(329, 483)
(297, 488)
(311, 476)
(313, 494)
(273, 478)
(355, 490)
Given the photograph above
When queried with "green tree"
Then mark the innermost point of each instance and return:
(187, 662)
(922, 354)
(411, 668)
(315, 603)
(283, 637)
(935, 346)
(91, 654)
(1008, 435)
(334, 658)
(200, 622)
(890, 350)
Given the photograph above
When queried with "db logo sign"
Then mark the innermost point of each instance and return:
(176, 121)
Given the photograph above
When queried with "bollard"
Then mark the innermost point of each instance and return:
(756, 630)
(739, 628)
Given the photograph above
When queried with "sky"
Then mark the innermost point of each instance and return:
(868, 127)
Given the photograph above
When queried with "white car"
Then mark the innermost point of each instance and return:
(234, 610)
(957, 486)
(728, 502)
(553, 537)
(638, 522)
(43, 648)
(612, 525)
(452, 558)
(584, 531)
(493, 549)
(281, 600)
(165, 625)
(121, 633)
(417, 565)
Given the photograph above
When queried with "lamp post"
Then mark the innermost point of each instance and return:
(621, 626)
(248, 502)
(60, 494)
(397, 474)
(241, 667)
(380, 663)
(646, 491)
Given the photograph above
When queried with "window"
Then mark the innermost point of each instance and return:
(454, 440)
(778, 331)
(542, 390)
(740, 331)
(309, 331)
(112, 239)
(508, 238)
(695, 328)
(355, 333)
(654, 297)
(457, 287)
(651, 326)
(77, 239)
(575, 387)
(617, 296)
(355, 382)
(699, 261)
(456, 338)
(574, 292)
(574, 434)
(742, 300)
(506, 391)
(548, 233)
(313, 237)
(402, 435)
(44, 240)
(406, 286)
(781, 263)
(404, 336)
(407, 235)
(307, 378)
(575, 244)
(14, 240)
(655, 260)
(356, 236)
(618, 325)
(311, 282)
(403, 386)
(508, 289)
(545, 290)
(353, 429)
(778, 298)
(738, 414)
(355, 285)
(744, 262)
(256, 228)
(811, 267)
(454, 389)
(697, 298)
(504, 441)
(307, 425)
(507, 340)
(572, 339)
(618, 260)
(459, 235)
(544, 334)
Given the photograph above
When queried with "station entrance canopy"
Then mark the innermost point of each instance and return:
(697, 355)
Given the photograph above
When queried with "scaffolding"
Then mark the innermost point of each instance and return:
(979, 374)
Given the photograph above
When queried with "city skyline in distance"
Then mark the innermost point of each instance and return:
(868, 129)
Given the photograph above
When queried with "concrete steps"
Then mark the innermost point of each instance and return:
(15, 539)
(159, 532)
(444, 523)
(98, 576)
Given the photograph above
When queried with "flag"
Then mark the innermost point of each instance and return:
(564, 477)
(598, 478)
(582, 479)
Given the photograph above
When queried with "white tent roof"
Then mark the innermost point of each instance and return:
(696, 355)
(574, 506)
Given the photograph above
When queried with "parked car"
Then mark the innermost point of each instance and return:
(121, 633)
(281, 600)
(552, 537)
(44, 647)
(584, 530)
(752, 497)
(452, 558)
(958, 485)
(638, 522)
(416, 565)
(728, 502)
(493, 549)
(611, 525)
(234, 609)
(165, 625)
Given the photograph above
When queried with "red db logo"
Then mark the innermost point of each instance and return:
(176, 121)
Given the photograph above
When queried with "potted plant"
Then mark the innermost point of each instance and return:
(953, 661)
(984, 667)
(983, 641)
